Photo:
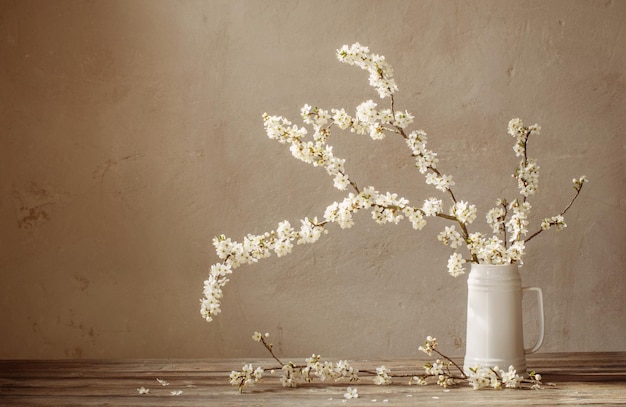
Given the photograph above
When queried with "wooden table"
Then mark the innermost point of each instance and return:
(579, 379)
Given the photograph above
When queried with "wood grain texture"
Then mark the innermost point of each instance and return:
(579, 379)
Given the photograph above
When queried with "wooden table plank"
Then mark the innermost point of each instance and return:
(580, 378)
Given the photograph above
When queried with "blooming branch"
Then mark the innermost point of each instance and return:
(558, 221)
(508, 220)
(444, 372)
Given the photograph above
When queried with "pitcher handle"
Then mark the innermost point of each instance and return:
(539, 342)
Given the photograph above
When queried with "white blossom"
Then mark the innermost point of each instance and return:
(317, 152)
(419, 380)
(430, 344)
(280, 129)
(455, 265)
(510, 378)
(450, 237)
(475, 242)
(341, 118)
(250, 251)
(415, 216)
(424, 159)
(388, 208)
(479, 381)
(381, 73)
(246, 376)
(310, 231)
(163, 382)
(441, 182)
(305, 113)
(386, 116)
(382, 377)
(351, 393)
(432, 206)
(322, 117)
(515, 252)
(366, 112)
(435, 368)
(483, 377)
(517, 224)
(288, 379)
(403, 119)
(341, 181)
(492, 251)
(578, 183)
(343, 370)
(534, 129)
(516, 127)
(528, 178)
(495, 219)
(445, 381)
(558, 221)
(464, 212)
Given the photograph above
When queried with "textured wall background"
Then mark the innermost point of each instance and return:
(132, 134)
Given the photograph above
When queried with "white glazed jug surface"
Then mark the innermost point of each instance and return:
(495, 334)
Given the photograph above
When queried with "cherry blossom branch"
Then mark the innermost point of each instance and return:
(506, 220)
(558, 220)
(293, 374)
(270, 348)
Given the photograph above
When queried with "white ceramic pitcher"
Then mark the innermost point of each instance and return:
(495, 335)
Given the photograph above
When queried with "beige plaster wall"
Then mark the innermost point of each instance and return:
(132, 134)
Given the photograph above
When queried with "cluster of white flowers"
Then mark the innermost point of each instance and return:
(441, 182)
(258, 336)
(429, 346)
(478, 377)
(463, 212)
(341, 370)
(495, 378)
(439, 371)
(247, 376)
(381, 73)
(496, 216)
(450, 237)
(558, 221)
(494, 250)
(578, 182)
(292, 374)
(527, 173)
(435, 368)
(517, 225)
(383, 377)
(316, 152)
(455, 264)
(251, 250)
(509, 221)
(385, 207)
(351, 393)
(432, 207)
(446, 381)
(521, 133)
(425, 159)
(528, 178)
(369, 120)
